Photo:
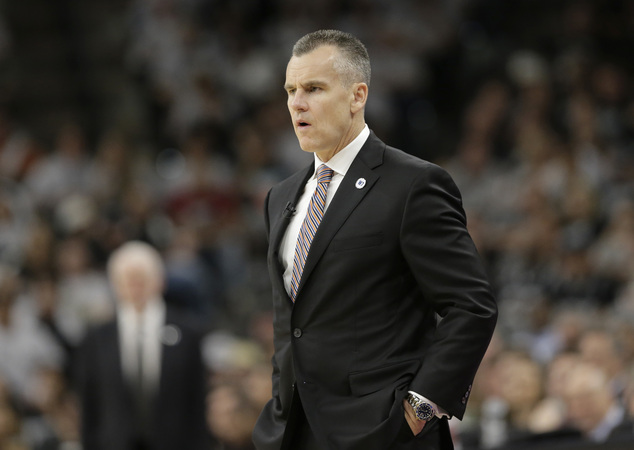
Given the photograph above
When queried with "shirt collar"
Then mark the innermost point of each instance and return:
(342, 160)
(153, 312)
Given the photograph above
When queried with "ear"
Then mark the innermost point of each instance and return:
(360, 96)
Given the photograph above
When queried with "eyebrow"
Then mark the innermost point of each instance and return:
(308, 83)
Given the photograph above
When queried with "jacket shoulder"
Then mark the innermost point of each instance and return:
(410, 167)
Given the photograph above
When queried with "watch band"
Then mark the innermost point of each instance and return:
(423, 410)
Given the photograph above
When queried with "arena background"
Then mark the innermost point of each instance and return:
(165, 120)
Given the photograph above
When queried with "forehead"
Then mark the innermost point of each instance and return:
(134, 265)
(317, 64)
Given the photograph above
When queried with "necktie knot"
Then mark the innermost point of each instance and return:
(324, 174)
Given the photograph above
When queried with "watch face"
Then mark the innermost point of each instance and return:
(424, 411)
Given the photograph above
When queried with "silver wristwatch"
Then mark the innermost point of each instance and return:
(423, 410)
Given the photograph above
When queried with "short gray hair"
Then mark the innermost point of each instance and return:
(354, 62)
(136, 253)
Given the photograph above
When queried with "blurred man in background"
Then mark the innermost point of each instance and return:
(141, 376)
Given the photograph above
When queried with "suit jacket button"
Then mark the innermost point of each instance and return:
(297, 332)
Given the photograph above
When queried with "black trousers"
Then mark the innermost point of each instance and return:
(303, 437)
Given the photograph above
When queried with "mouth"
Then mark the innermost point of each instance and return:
(301, 124)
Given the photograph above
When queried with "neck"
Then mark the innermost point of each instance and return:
(346, 139)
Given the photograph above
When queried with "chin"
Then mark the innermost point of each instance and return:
(305, 146)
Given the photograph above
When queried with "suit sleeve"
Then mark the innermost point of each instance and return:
(276, 371)
(451, 276)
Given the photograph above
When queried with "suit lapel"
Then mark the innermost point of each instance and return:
(290, 194)
(112, 353)
(348, 196)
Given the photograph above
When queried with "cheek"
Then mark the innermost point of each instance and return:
(340, 116)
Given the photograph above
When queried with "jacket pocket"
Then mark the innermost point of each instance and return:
(388, 376)
(353, 242)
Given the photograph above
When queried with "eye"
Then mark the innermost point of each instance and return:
(314, 89)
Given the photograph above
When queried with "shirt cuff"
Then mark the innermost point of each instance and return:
(440, 413)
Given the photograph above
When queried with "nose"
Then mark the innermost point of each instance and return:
(298, 102)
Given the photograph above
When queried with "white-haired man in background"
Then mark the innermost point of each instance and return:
(141, 376)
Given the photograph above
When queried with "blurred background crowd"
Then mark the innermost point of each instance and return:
(165, 121)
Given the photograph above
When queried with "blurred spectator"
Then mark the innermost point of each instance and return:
(55, 422)
(515, 388)
(141, 377)
(600, 348)
(83, 295)
(62, 172)
(232, 417)
(550, 414)
(38, 258)
(18, 151)
(112, 169)
(16, 217)
(241, 386)
(629, 398)
(612, 253)
(26, 347)
(592, 406)
(10, 425)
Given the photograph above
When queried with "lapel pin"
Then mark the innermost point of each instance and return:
(171, 335)
(360, 183)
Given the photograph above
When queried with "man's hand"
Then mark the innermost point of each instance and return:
(415, 424)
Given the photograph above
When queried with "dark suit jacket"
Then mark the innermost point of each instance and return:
(178, 420)
(385, 261)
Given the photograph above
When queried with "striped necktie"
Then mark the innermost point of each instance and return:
(307, 232)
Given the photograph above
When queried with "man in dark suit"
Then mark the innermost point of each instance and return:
(382, 310)
(141, 377)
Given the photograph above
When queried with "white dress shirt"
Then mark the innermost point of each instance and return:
(150, 322)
